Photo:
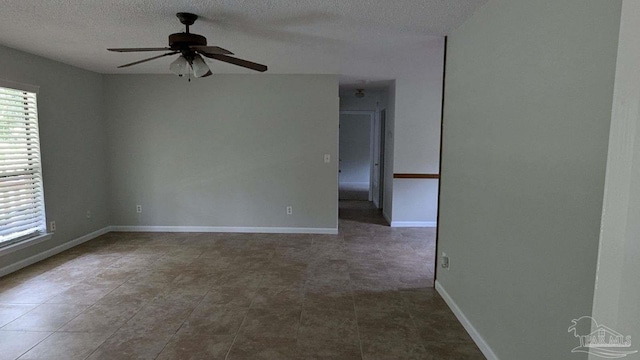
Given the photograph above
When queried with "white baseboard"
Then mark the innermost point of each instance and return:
(56, 250)
(226, 229)
(413, 223)
(477, 338)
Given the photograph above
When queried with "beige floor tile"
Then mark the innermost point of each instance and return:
(329, 326)
(66, 346)
(379, 301)
(244, 279)
(154, 275)
(196, 278)
(103, 318)
(390, 345)
(327, 285)
(278, 323)
(278, 297)
(319, 348)
(113, 275)
(133, 292)
(31, 292)
(159, 318)
(230, 295)
(46, 317)
(264, 348)
(128, 344)
(10, 312)
(372, 283)
(440, 327)
(82, 294)
(332, 301)
(214, 319)
(186, 346)
(282, 277)
(466, 350)
(15, 343)
(180, 296)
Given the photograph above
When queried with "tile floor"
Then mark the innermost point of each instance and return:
(364, 294)
(351, 191)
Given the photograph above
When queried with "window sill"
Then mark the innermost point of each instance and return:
(24, 244)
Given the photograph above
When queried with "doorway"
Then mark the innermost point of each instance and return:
(361, 155)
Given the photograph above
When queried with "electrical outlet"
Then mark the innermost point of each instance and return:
(327, 158)
(88, 214)
(445, 261)
(139, 209)
(52, 226)
(289, 210)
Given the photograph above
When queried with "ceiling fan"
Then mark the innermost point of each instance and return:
(191, 48)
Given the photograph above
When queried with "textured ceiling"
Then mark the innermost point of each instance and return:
(354, 38)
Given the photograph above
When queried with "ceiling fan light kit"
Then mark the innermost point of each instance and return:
(180, 66)
(192, 48)
(200, 68)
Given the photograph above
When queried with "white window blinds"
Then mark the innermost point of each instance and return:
(21, 197)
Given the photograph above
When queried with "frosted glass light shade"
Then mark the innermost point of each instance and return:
(180, 66)
(199, 67)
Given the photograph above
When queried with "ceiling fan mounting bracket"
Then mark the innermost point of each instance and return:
(187, 18)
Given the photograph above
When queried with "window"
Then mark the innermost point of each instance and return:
(21, 197)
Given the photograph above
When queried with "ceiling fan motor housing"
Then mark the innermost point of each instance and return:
(182, 41)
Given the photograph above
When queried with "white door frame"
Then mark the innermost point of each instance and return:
(378, 200)
(372, 122)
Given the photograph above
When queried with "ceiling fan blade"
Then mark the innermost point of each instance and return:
(211, 50)
(149, 59)
(139, 49)
(236, 61)
(209, 73)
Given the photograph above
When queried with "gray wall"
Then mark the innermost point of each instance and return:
(389, 151)
(232, 150)
(355, 149)
(527, 112)
(73, 145)
(417, 118)
(617, 295)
